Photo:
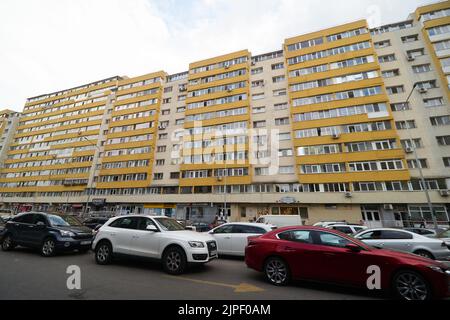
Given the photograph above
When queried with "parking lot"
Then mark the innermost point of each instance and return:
(26, 275)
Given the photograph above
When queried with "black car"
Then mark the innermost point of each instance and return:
(48, 233)
(94, 223)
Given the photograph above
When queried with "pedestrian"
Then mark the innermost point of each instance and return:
(424, 223)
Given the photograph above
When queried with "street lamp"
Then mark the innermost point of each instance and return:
(418, 165)
(95, 167)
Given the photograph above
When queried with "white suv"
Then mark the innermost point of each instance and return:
(158, 238)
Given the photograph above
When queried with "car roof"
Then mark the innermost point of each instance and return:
(347, 225)
(251, 224)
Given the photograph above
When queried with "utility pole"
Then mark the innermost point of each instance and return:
(418, 165)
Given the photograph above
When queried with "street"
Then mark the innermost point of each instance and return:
(26, 275)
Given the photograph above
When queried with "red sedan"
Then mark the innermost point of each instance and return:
(312, 253)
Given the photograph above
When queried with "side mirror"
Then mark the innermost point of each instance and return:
(353, 247)
(40, 224)
(151, 228)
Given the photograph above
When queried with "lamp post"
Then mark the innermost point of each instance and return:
(88, 189)
(418, 165)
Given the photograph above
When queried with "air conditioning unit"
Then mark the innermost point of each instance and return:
(219, 179)
(229, 90)
(410, 58)
(336, 136)
(388, 207)
(444, 193)
(253, 63)
(227, 66)
(348, 195)
(409, 150)
(423, 90)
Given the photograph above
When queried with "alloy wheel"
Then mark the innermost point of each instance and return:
(173, 261)
(7, 243)
(276, 271)
(48, 248)
(411, 287)
(103, 253)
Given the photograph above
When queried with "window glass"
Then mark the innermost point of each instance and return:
(224, 229)
(332, 240)
(144, 223)
(39, 218)
(370, 235)
(125, 223)
(393, 235)
(346, 230)
(28, 218)
(302, 236)
(248, 229)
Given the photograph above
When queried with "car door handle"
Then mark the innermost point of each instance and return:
(227, 238)
(113, 234)
(136, 237)
(290, 249)
(330, 254)
(30, 226)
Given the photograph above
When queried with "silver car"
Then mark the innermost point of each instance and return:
(406, 241)
(444, 236)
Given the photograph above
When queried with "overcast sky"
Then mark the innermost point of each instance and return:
(50, 45)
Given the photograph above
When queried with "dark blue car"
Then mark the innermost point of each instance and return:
(48, 233)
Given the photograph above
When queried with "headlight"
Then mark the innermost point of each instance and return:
(437, 269)
(67, 234)
(196, 244)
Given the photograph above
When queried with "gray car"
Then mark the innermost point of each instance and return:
(402, 240)
(444, 236)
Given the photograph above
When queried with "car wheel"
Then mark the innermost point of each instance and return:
(277, 272)
(174, 261)
(424, 254)
(48, 248)
(409, 285)
(7, 243)
(103, 253)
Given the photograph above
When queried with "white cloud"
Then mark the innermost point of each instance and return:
(49, 45)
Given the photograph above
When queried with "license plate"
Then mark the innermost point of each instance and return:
(85, 243)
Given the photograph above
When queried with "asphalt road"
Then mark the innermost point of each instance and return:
(24, 274)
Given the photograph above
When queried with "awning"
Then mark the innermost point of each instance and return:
(160, 206)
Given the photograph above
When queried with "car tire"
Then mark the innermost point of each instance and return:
(8, 243)
(425, 254)
(48, 248)
(409, 286)
(277, 271)
(103, 253)
(174, 261)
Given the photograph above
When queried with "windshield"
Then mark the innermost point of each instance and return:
(57, 221)
(72, 220)
(169, 224)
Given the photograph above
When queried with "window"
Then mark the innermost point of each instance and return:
(415, 53)
(167, 100)
(401, 106)
(446, 161)
(286, 170)
(285, 153)
(280, 106)
(414, 143)
(168, 89)
(262, 171)
(281, 121)
(403, 125)
(181, 109)
(278, 79)
(284, 136)
(395, 235)
(248, 229)
(259, 124)
(439, 30)
(332, 240)
(257, 83)
(278, 66)
(382, 44)
(302, 236)
(163, 136)
(412, 164)
(442, 45)
(440, 121)
(278, 93)
(258, 96)
(125, 223)
(174, 175)
(386, 58)
(395, 90)
(390, 73)
(179, 122)
(257, 70)
(158, 176)
(427, 84)
(443, 141)
(434, 102)
(259, 110)
(160, 162)
(410, 38)
(422, 68)
(161, 148)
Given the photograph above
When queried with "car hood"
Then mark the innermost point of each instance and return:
(190, 235)
(74, 229)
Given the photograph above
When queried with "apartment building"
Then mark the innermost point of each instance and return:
(8, 123)
(321, 128)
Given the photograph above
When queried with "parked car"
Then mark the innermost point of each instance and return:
(46, 232)
(325, 224)
(94, 223)
(347, 228)
(423, 231)
(281, 221)
(6, 218)
(232, 238)
(444, 236)
(325, 255)
(159, 238)
(406, 241)
(201, 227)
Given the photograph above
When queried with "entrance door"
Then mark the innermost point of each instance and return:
(372, 218)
